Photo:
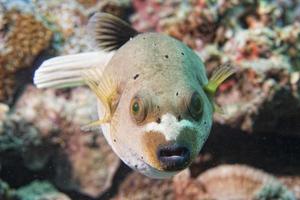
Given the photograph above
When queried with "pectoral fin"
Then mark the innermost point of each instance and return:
(106, 89)
(218, 77)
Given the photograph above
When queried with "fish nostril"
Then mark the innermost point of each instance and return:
(158, 120)
(179, 118)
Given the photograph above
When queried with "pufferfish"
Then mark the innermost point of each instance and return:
(155, 103)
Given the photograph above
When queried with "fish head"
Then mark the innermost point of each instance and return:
(161, 134)
(160, 126)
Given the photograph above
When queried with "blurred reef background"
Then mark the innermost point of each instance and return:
(253, 151)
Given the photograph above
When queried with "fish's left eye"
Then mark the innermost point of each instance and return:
(196, 106)
(138, 110)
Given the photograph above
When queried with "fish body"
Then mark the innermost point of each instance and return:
(155, 102)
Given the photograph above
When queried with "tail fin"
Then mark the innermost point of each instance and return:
(67, 71)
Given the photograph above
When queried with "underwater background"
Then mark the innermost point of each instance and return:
(253, 151)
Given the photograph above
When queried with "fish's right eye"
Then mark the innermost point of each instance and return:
(138, 110)
(196, 107)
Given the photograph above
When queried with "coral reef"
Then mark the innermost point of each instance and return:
(40, 134)
(6, 193)
(138, 187)
(241, 182)
(222, 182)
(83, 160)
(40, 190)
(24, 39)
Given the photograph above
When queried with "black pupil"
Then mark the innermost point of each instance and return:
(136, 107)
(196, 103)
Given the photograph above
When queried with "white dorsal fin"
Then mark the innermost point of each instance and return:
(67, 71)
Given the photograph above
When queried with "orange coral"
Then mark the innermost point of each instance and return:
(25, 40)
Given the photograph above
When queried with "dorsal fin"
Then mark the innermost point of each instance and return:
(110, 32)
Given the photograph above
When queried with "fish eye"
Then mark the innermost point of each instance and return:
(138, 110)
(195, 107)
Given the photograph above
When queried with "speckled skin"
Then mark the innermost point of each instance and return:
(165, 72)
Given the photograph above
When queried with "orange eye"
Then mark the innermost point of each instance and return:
(196, 106)
(138, 110)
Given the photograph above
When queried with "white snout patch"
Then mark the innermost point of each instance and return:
(169, 126)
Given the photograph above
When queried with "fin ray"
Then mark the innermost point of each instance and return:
(218, 77)
(110, 32)
(66, 71)
(106, 90)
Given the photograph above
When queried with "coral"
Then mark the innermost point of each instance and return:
(263, 95)
(24, 39)
(7, 86)
(274, 191)
(139, 187)
(86, 164)
(293, 183)
(149, 13)
(3, 113)
(82, 160)
(196, 29)
(41, 131)
(6, 193)
(241, 182)
(115, 7)
(186, 187)
(40, 190)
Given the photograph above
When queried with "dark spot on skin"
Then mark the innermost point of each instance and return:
(158, 108)
(182, 53)
(177, 93)
(179, 118)
(142, 158)
(135, 166)
(136, 76)
(205, 123)
(158, 120)
(115, 140)
(166, 56)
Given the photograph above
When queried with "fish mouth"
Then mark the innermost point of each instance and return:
(173, 157)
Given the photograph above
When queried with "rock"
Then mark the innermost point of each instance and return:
(186, 187)
(242, 182)
(263, 96)
(83, 161)
(139, 187)
(6, 193)
(293, 183)
(40, 190)
(86, 164)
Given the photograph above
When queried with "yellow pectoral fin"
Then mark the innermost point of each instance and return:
(99, 122)
(218, 77)
(105, 87)
(107, 91)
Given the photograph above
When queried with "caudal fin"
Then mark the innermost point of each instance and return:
(67, 71)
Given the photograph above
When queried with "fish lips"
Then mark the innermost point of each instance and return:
(173, 157)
